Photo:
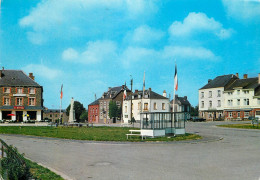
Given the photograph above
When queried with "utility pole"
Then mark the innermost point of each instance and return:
(131, 82)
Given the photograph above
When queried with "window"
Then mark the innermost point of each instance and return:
(125, 109)
(219, 93)
(146, 106)
(258, 101)
(238, 92)
(155, 106)
(230, 93)
(210, 115)
(246, 92)
(6, 101)
(230, 102)
(31, 102)
(31, 90)
(238, 102)
(219, 103)
(246, 102)
(257, 113)
(19, 90)
(246, 114)
(210, 94)
(238, 114)
(19, 101)
(126, 116)
(210, 104)
(230, 114)
(7, 90)
(202, 104)
(139, 106)
(50, 115)
(202, 94)
(163, 106)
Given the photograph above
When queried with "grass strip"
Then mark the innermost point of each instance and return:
(41, 173)
(88, 133)
(242, 126)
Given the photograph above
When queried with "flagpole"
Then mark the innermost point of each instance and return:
(61, 95)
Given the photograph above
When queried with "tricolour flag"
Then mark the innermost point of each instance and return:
(125, 91)
(176, 79)
(144, 84)
(61, 92)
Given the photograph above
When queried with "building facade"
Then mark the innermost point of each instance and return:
(151, 102)
(53, 115)
(242, 99)
(181, 104)
(21, 96)
(113, 94)
(93, 112)
(211, 97)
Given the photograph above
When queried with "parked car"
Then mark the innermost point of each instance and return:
(197, 119)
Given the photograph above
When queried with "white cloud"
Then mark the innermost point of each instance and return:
(43, 71)
(188, 53)
(96, 51)
(196, 23)
(74, 18)
(243, 9)
(144, 35)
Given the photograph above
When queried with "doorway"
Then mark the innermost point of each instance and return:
(19, 116)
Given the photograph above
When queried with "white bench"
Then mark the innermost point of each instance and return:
(138, 131)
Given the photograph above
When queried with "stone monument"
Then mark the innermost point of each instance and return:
(72, 112)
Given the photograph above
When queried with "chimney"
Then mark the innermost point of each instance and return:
(209, 80)
(237, 75)
(109, 88)
(245, 76)
(1, 73)
(185, 97)
(258, 78)
(164, 93)
(150, 89)
(136, 91)
(31, 76)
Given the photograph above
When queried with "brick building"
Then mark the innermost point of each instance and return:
(21, 96)
(93, 112)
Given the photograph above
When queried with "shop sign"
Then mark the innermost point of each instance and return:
(18, 107)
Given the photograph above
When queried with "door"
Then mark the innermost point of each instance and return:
(19, 116)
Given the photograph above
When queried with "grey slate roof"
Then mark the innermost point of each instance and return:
(151, 95)
(220, 81)
(249, 83)
(181, 101)
(96, 102)
(16, 78)
(25, 107)
(113, 92)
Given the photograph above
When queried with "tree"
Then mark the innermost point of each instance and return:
(113, 109)
(84, 116)
(194, 111)
(78, 108)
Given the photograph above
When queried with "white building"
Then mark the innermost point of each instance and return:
(242, 99)
(151, 102)
(211, 98)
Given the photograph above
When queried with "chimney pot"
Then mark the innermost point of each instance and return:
(209, 80)
(164, 93)
(185, 97)
(237, 75)
(150, 89)
(136, 91)
(3, 68)
(245, 76)
(258, 78)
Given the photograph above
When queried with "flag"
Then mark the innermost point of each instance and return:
(144, 84)
(125, 91)
(175, 79)
(61, 93)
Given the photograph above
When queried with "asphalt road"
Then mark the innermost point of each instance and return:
(236, 156)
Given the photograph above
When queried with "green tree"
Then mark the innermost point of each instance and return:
(78, 108)
(113, 109)
(194, 111)
(84, 116)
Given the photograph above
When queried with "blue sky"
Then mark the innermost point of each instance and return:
(90, 45)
